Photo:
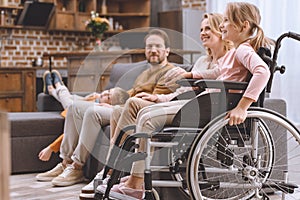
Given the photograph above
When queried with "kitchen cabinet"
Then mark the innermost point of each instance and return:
(126, 14)
(17, 89)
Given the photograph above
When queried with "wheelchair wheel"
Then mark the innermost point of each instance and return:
(239, 162)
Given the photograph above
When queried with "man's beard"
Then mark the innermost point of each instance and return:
(156, 62)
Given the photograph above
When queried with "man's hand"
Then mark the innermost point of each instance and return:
(146, 96)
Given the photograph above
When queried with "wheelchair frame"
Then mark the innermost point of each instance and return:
(219, 161)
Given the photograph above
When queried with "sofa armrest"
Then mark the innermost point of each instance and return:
(46, 103)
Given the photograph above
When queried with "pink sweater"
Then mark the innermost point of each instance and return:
(235, 66)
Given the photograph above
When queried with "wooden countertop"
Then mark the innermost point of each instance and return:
(109, 53)
(17, 68)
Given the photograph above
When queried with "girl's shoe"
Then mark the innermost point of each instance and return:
(47, 80)
(56, 77)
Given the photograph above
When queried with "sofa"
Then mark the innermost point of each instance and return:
(32, 131)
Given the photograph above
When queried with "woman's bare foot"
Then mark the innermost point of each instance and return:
(45, 154)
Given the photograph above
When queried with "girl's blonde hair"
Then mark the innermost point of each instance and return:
(239, 12)
(214, 21)
(119, 96)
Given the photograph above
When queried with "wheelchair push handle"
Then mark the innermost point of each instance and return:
(273, 65)
(292, 35)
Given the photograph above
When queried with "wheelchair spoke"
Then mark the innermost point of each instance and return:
(216, 143)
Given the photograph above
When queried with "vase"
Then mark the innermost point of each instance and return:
(98, 43)
(104, 7)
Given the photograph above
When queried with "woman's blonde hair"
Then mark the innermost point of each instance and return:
(214, 21)
(239, 12)
(119, 96)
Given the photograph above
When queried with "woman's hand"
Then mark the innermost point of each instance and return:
(239, 113)
(175, 73)
(146, 96)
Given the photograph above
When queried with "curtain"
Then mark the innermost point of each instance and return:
(278, 17)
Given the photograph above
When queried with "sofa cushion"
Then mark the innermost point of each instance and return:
(46, 103)
(30, 133)
(124, 74)
(28, 124)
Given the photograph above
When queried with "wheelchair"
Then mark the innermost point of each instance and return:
(208, 159)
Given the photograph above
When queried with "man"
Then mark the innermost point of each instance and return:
(85, 119)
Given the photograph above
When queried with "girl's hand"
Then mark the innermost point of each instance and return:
(92, 96)
(239, 113)
(105, 105)
(146, 96)
(45, 154)
(236, 116)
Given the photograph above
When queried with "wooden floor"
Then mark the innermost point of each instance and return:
(25, 187)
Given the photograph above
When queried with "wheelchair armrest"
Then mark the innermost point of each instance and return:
(223, 85)
(181, 129)
(168, 133)
(187, 95)
(187, 82)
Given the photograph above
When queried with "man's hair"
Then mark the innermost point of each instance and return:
(159, 33)
(119, 96)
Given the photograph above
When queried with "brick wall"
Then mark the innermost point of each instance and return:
(197, 4)
(20, 46)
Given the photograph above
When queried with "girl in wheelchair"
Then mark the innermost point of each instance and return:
(241, 26)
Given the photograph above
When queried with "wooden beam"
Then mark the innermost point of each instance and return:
(5, 162)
